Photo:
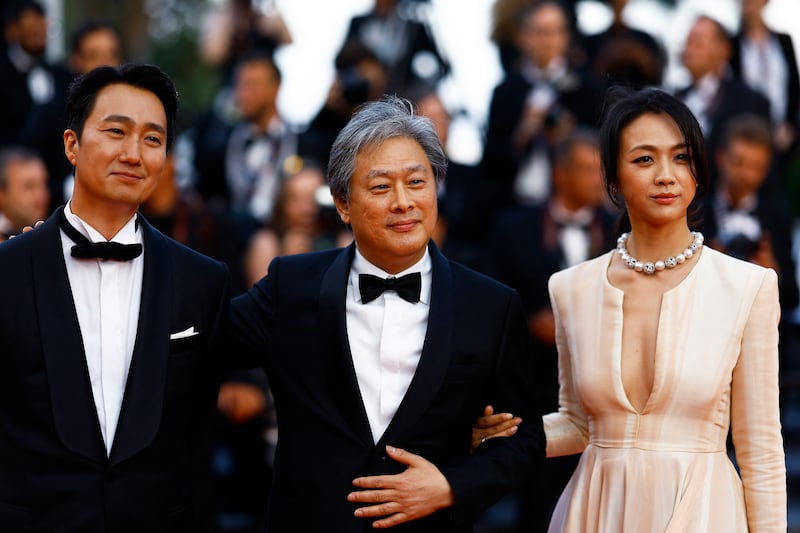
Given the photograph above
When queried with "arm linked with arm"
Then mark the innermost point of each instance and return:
(498, 465)
(250, 321)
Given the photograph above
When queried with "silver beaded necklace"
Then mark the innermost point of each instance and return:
(669, 262)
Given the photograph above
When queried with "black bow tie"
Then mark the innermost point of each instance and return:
(577, 222)
(565, 225)
(407, 287)
(86, 249)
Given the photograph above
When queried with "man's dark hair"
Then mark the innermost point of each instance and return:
(263, 56)
(722, 34)
(84, 90)
(15, 9)
(10, 154)
(89, 26)
(561, 152)
(748, 127)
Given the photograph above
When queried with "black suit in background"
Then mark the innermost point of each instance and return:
(15, 101)
(56, 475)
(38, 125)
(792, 78)
(525, 250)
(626, 55)
(474, 354)
(412, 38)
(44, 132)
(15, 97)
(580, 95)
(784, 159)
(733, 98)
(315, 142)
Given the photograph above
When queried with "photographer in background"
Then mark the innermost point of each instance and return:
(535, 106)
(399, 35)
(360, 78)
(744, 218)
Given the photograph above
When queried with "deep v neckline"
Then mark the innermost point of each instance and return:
(658, 358)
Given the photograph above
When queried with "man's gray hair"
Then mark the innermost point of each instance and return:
(373, 124)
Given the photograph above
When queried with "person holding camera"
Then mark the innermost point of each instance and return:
(748, 217)
(399, 34)
(535, 106)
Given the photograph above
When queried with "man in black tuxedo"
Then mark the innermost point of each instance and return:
(108, 367)
(382, 355)
(28, 78)
(765, 60)
(715, 96)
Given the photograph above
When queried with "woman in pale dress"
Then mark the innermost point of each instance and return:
(664, 345)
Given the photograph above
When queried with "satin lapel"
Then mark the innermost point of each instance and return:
(435, 358)
(74, 412)
(341, 374)
(140, 414)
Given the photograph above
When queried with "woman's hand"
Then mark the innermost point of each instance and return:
(492, 425)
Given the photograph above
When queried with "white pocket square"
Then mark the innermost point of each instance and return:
(188, 332)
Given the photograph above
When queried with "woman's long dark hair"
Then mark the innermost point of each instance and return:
(622, 106)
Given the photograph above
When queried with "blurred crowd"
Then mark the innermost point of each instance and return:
(243, 185)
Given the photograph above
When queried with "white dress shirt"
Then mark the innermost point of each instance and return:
(699, 98)
(573, 235)
(253, 165)
(40, 82)
(6, 226)
(532, 183)
(739, 220)
(764, 69)
(107, 295)
(386, 337)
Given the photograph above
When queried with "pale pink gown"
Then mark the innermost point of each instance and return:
(665, 469)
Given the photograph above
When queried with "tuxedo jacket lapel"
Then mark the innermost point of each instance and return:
(140, 414)
(74, 412)
(436, 351)
(341, 375)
